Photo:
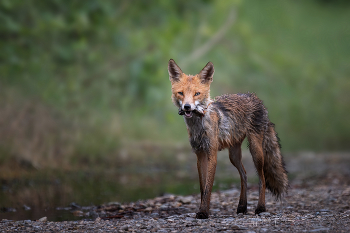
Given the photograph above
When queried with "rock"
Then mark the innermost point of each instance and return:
(9, 209)
(323, 229)
(324, 210)
(78, 213)
(125, 227)
(92, 214)
(266, 214)
(43, 219)
(346, 192)
(155, 215)
(165, 207)
(186, 200)
(74, 205)
(113, 206)
(114, 203)
(26, 208)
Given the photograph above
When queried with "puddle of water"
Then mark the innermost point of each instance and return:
(37, 213)
(56, 194)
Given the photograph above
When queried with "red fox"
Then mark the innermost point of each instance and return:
(224, 122)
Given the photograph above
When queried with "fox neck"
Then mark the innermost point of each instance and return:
(199, 127)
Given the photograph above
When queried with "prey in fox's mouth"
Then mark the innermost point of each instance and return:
(188, 114)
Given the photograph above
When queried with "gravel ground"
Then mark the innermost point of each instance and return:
(318, 204)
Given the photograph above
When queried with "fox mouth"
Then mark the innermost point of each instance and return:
(188, 114)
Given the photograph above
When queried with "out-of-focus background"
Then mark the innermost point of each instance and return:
(85, 110)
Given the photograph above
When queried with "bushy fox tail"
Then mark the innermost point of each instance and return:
(275, 173)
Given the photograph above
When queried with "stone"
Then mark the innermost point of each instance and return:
(186, 200)
(265, 214)
(43, 219)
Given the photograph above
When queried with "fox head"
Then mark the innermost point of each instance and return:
(191, 93)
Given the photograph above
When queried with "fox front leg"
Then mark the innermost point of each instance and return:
(206, 170)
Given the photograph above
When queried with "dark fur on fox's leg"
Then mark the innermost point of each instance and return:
(260, 209)
(242, 208)
(202, 215)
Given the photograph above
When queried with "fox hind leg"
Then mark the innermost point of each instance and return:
(235, 154)
(256, 149)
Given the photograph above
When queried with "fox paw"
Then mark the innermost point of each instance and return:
(260, 209)
(202, 215)
(242, 209)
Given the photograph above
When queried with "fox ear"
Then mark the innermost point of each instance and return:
(174, 71)
(206, 74)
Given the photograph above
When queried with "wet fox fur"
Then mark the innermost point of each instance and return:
(222, 123)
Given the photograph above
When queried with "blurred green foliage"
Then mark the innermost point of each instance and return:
(100, 67)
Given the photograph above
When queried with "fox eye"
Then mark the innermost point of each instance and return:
(197, 93)
(180, 93)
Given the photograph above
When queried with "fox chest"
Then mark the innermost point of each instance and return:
(201, 134)
(206, 133)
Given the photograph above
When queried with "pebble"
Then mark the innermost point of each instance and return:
(323, 229)
(266, 214)
(26, 208)
(186, 200)
(125, 227)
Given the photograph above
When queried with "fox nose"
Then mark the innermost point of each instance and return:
(187, 107)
